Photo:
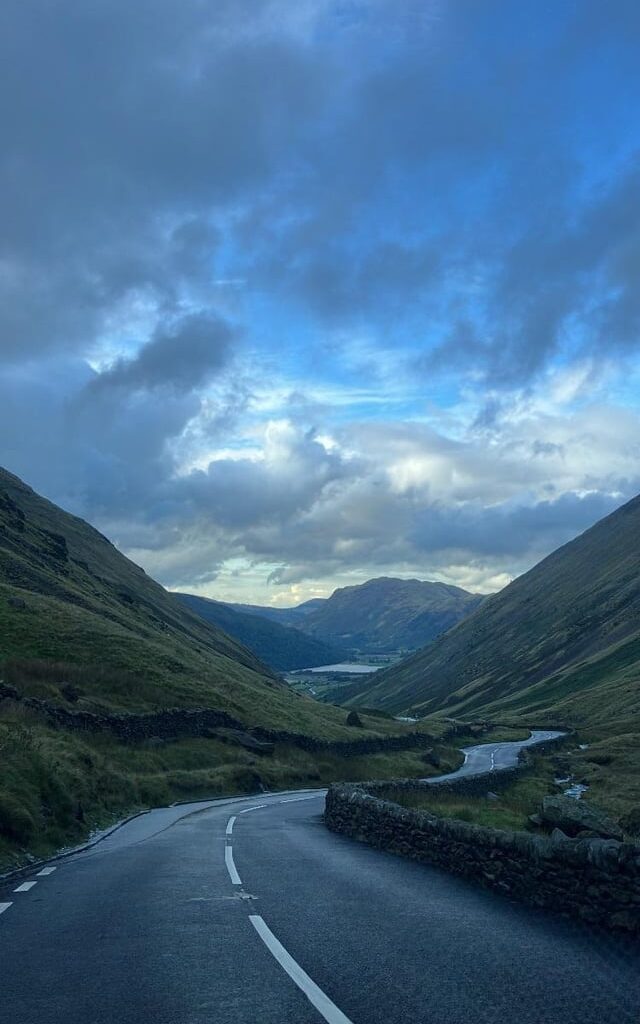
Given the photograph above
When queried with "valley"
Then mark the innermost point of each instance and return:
(118, 697)
(80, 621)
(327, 682)
(86, 631)
(320, 512)
(381, 616)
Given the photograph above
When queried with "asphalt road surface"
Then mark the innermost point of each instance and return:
(494, 757)
(249, 910)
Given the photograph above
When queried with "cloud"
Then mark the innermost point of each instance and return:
(423, 215)
(294, 472)
(131, 128)
(401, 498)
(182, 356)
(155, 152)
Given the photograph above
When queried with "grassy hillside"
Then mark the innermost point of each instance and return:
(559, 644)
(83, 627)
(282, 648)
(388, 614)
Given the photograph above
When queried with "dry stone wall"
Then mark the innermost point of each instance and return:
(596, 880)
(173, 723)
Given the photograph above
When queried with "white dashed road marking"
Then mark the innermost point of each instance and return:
(315, 995)
(4, 906)
(46, 871)
(231, 868)
(230, 824)
(256, 807)
(25, 887)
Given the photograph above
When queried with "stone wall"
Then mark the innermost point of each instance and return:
(596, 880)
(349, 748)
(173, 723)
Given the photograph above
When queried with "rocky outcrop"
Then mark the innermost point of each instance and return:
(596, 880)
(353, 718)
(11, 515)
(573, 817)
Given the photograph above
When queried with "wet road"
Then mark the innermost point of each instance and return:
(494, 757)
(250, 910)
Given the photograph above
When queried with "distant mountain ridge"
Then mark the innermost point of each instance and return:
(292, 616)
(388, 614)
(282, 647)
(560, 643)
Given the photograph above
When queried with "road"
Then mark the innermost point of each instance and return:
(249, 910)
(494, 757)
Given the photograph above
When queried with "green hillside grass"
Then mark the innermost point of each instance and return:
(559, 644)
(83, 627)
(282, 648)
(68, 596)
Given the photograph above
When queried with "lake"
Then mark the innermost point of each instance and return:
(355, 667)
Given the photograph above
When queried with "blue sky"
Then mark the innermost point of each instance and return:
(294, 295)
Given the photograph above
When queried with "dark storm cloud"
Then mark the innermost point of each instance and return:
(181, 356)
(510, 530)
(415, 169)
(570, 282)
(123, 125)
(490, 231)
(126, 124)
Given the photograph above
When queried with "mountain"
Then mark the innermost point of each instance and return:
(67, 595)
(559, 644)
(283, 648)
(85, 602)
(389, 614)
(88, 640)
(294, 616)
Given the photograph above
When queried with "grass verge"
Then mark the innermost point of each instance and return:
(56, 786)
(508, 808)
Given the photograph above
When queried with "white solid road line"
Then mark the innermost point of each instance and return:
(315, 995)
(230, 825)
(46, 871)
(231, 868)
(4, 906)
(25, 887)
(256, 807)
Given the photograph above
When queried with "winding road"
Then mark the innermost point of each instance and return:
(249, 910)
(495, 757)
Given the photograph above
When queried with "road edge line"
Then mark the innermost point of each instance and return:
(328, 1009)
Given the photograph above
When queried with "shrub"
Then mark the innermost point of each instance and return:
(16, 822)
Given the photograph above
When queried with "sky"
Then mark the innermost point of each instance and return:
(296, 293)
